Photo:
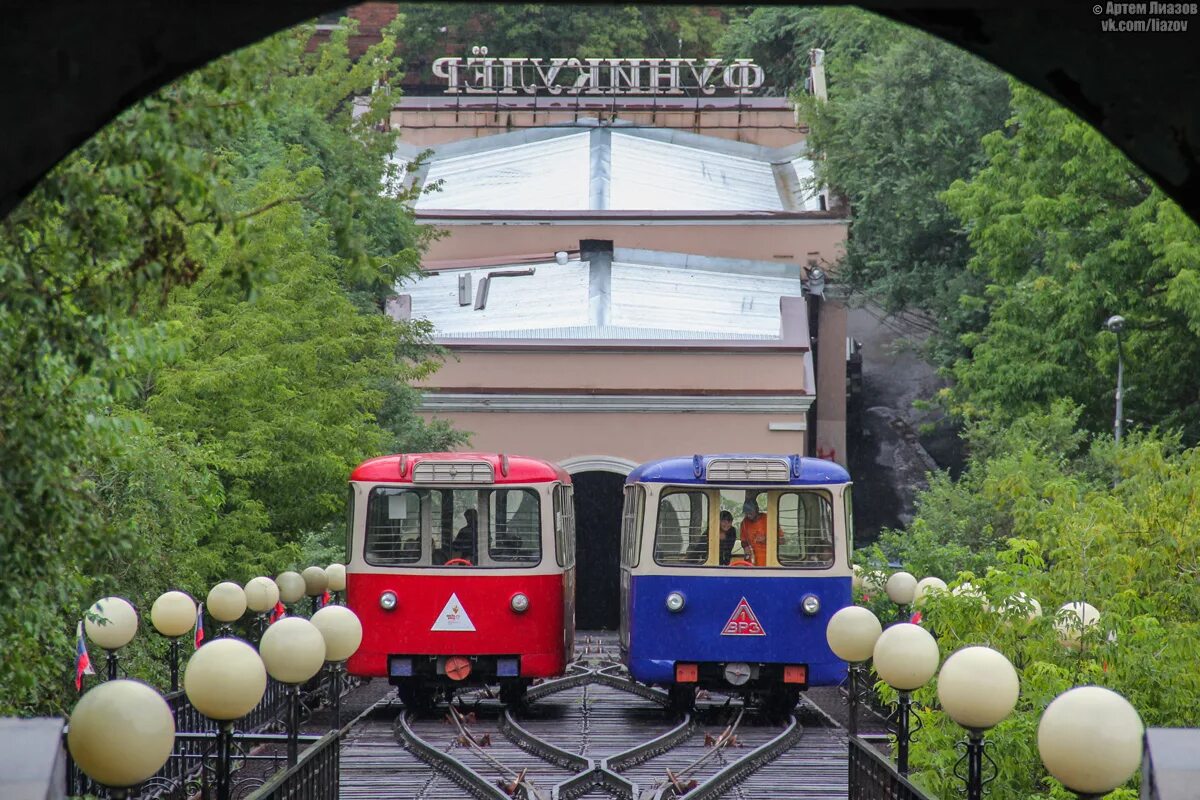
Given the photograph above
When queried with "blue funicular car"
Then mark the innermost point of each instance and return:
(731, 566)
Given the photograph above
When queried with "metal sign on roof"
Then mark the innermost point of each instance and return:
(483, 74)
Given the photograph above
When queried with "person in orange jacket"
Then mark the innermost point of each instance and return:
(754, 532)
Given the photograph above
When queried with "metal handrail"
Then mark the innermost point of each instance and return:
(316, 775)
(873, 777)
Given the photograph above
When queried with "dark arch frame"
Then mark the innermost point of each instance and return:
(67, 67)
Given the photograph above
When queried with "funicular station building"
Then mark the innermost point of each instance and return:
(621, 278)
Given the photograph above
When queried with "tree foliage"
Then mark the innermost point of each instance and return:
(192, 349)
(1066, 232)
(904, 119)
(1046, 511)
(544, 30)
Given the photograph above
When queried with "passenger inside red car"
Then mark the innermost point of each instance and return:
(467, 538)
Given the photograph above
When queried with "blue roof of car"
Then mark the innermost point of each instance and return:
(691, 469)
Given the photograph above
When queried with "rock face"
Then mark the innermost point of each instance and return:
(888, 458)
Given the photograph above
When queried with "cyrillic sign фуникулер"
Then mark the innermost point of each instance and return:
(668, 76)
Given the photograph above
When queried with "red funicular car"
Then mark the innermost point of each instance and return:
(461, 568)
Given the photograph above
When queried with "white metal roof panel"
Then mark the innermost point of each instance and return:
(603, 332)
(650, 175)
(554, 296)
(549, 174)
(642, 301)
(645, 295)
(809, 198)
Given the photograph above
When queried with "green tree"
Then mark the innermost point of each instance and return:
(1130, 550)
(192, 349)
(543, 30)
(1065, 232)
(904, 119)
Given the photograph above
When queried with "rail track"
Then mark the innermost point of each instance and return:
(593, 733)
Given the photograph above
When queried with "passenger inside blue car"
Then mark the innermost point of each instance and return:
(728, 539)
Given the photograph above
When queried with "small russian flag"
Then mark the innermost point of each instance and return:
(916, 618)
(277, 613)
(83, 662)
(199, 624)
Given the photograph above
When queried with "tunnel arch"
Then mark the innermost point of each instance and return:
(66, 70)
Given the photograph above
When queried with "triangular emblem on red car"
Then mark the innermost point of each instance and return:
(743, 622)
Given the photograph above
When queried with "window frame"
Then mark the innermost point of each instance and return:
(424, 494)
(563, 496)
(703, 492)
(827, 497)
(351, 508)
(773, 496)
(848, 520)
(633, 519)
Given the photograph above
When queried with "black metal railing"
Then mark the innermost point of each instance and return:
(873, 777)
(183, 774)
(316, 775)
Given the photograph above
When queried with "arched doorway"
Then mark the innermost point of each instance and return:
(599, 491)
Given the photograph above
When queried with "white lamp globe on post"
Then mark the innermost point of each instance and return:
(261, 596)
(121, 733)
(293, 650)
(225, 680)
(927, 587)
(111, 622)
(978, 689)
(173, 614)
(315, 584)
(901, 589)
(226, 603)
(342, 631)
(1022, 606)
(851, 634)
(906, 657)
(336, 573)
(1090, 739)
(1073, 620)
(291, 587)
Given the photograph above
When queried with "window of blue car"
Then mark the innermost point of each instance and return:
(631, 525)
(681, 535)
(805, 530)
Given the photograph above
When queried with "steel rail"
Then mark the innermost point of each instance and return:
(654, 747)
(717, 784)
(544, 750)
(598, 777)
(443, 762)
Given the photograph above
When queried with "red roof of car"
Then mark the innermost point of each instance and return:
(520, 469)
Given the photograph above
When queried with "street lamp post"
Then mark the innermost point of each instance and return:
(342, 631)
(906, 657)
(291, 587)
(978, 689)
(261, 596)
(851, 634)
(1073, 621)
(337, 580)
(227, 604)
(121, 733)
(293, 650)
(173, 614)
(901, 589)
(925, 588)
(315, 584)
(111, 623)
(1090, 739)
(225, 680)
(1116, 324)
